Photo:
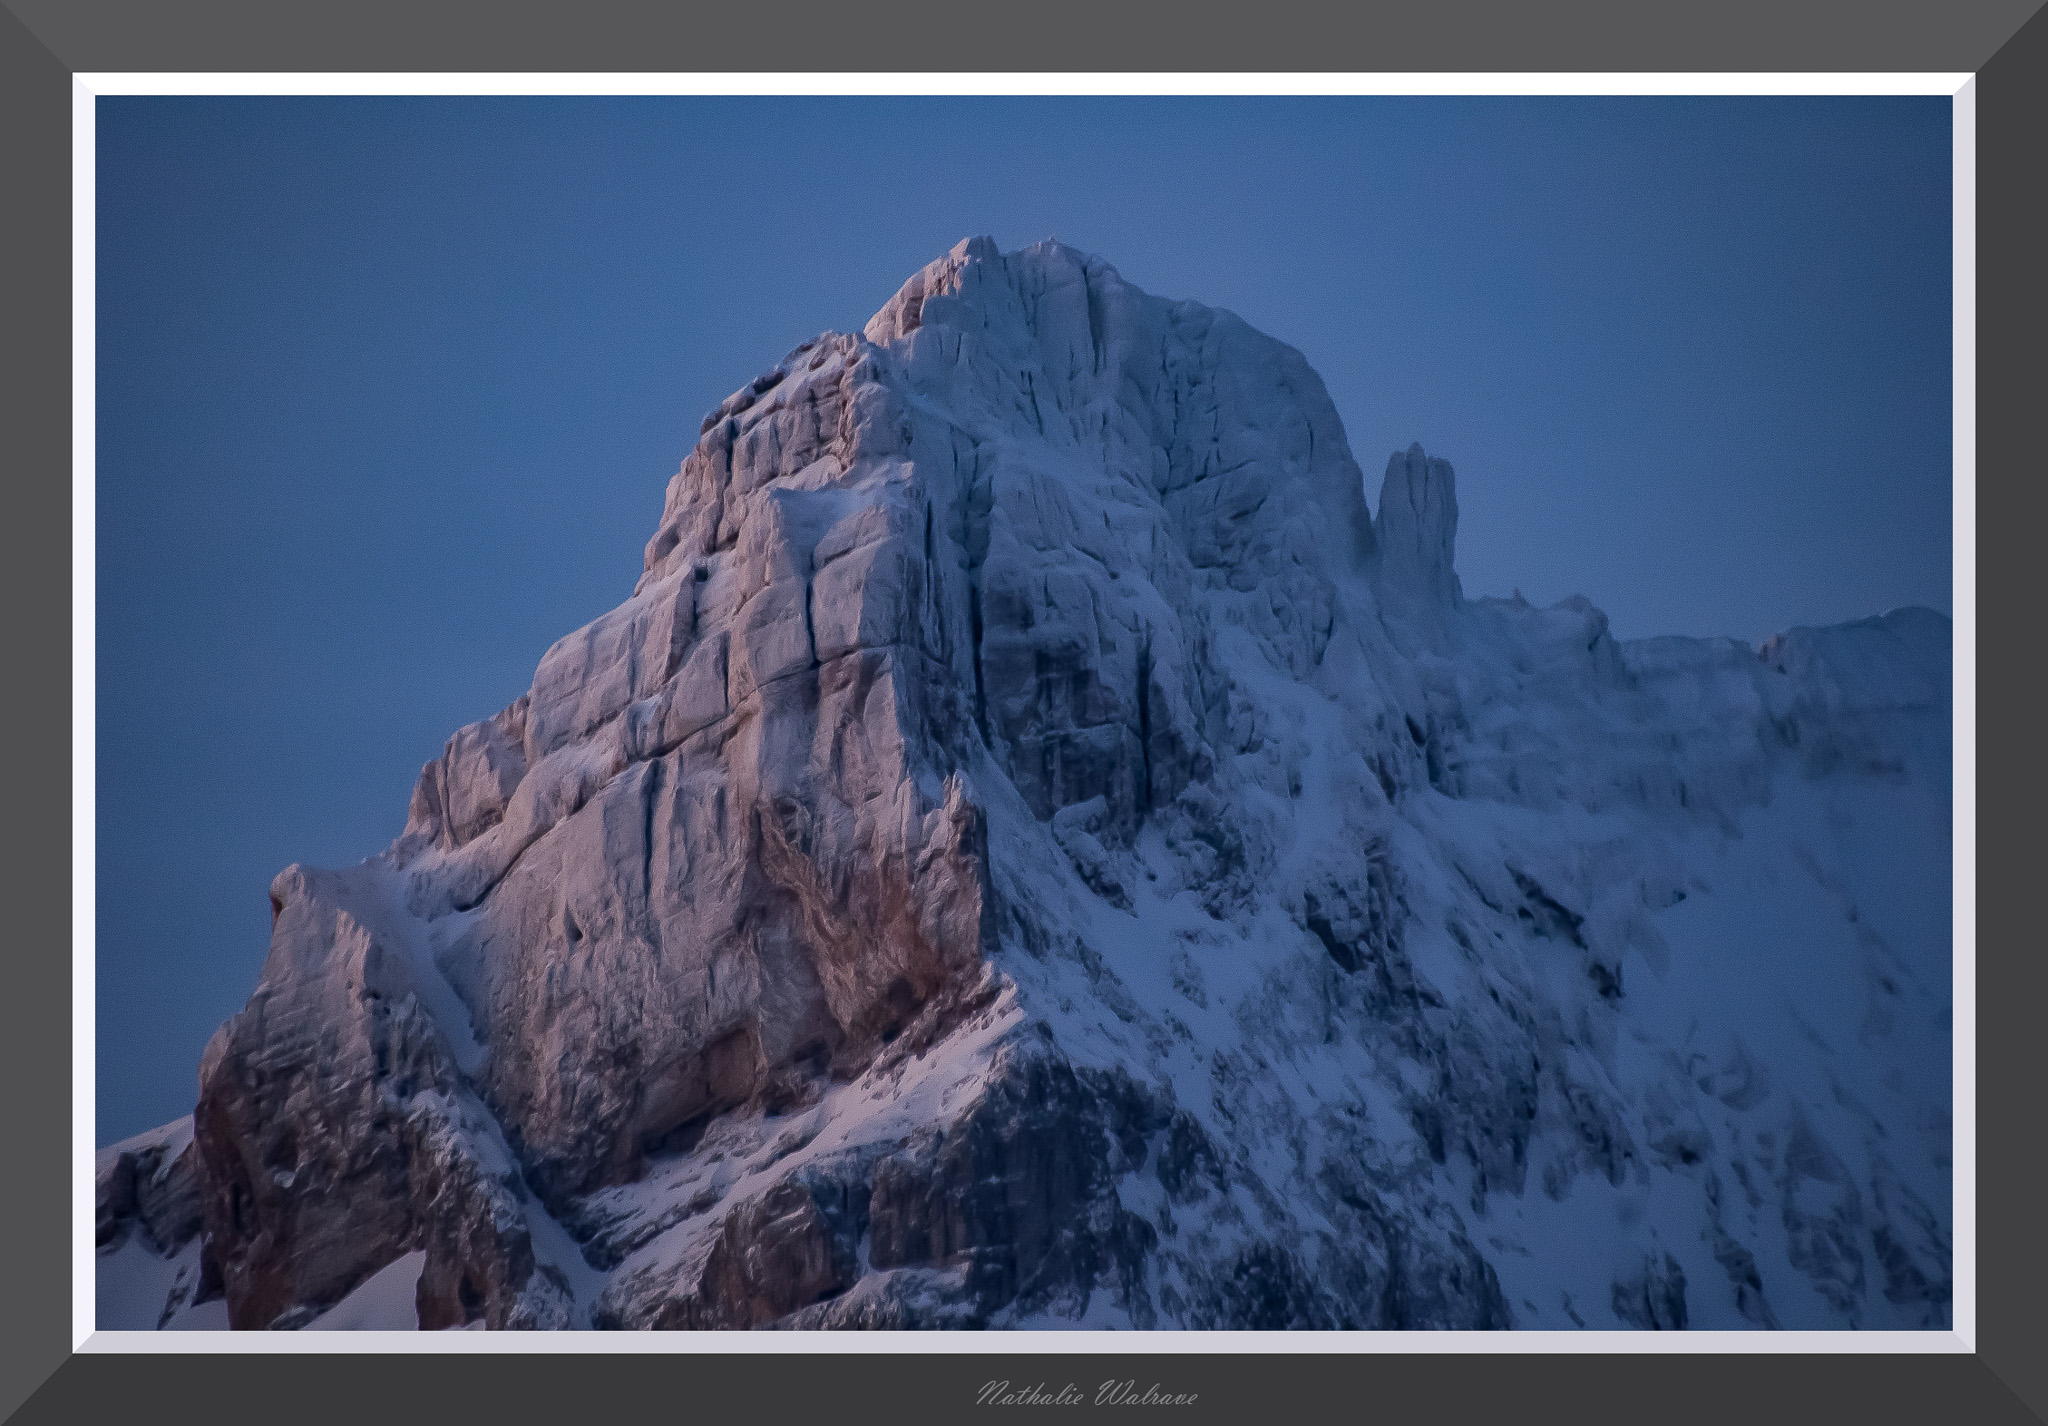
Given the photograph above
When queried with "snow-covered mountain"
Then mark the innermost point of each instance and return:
(1036, 850)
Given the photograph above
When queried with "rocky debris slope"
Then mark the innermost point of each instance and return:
(1035, 849)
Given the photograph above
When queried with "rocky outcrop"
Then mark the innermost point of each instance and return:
(1035, 848)
(1013, 1205)
(150, 1186)
(1416, 528)
(1653, 1297)
(338, 1134)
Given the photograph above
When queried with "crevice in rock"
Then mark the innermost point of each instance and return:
(980, 688)
(650, 799)
(682, 625)
(810, 631)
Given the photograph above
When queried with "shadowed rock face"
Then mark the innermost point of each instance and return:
(155, 1189)
(1035, 849)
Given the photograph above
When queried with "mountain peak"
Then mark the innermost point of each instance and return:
(1024, 762)
(982, 247)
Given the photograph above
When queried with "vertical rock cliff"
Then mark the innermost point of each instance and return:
(1036, 849)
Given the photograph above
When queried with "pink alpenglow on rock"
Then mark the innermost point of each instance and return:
(1036, 849)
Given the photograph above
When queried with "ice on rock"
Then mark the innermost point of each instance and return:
(1035, 848)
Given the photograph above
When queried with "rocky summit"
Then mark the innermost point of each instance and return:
(1037, 849)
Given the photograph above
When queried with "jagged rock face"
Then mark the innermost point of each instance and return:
(149, 1218)
(1035, 849)
(153, 1188)
(332, 1123)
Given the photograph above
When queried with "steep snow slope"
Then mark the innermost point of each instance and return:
(1036, 850)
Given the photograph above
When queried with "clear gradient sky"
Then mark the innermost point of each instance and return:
(389, 391)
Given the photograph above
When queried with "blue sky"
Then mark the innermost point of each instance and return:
(389, 391)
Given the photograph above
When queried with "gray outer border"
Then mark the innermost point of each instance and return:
(1486, 35)
(64, 36)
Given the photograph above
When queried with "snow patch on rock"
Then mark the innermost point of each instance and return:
(1037, 849)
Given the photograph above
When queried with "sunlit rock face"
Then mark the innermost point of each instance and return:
(1036, 849)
